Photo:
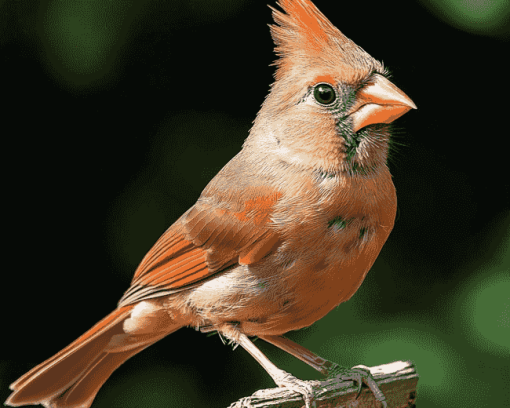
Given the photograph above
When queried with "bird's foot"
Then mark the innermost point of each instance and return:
(284, 379)
(360, 374)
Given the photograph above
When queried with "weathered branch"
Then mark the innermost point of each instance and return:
(397, 380)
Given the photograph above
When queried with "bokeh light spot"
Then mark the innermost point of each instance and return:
(482, 17)
(81, 39)
(441, 368)
(486, 313)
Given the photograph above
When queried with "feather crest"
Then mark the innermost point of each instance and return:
(305, 37)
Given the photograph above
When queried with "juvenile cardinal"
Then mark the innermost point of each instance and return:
(286, 231)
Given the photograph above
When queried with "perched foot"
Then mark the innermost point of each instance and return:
(284, 379)
(360, 374)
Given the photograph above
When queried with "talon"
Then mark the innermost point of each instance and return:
(360, 387)
(358, 374)
(302, 387)
(369, 379)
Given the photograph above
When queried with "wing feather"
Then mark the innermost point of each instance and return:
(207, 239)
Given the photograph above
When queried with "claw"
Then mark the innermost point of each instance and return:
(284, 379)
(369, 379)
(359, 374)
(360, 387)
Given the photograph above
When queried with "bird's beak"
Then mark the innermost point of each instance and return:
(379, 102)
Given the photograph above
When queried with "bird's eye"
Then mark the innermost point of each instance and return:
(324, 94)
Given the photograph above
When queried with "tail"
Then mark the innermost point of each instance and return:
(72, 377)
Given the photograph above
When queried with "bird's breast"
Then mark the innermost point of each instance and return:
(327, 254)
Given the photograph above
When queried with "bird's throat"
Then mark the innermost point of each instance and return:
(352, 141)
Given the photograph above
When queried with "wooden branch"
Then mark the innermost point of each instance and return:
(397, 380)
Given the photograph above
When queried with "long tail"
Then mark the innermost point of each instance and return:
(72, 377)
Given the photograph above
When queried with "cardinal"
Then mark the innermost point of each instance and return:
(283, 234)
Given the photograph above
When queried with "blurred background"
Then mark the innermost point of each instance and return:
(117, 113)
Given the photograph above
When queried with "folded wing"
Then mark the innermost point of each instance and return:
(217, 232)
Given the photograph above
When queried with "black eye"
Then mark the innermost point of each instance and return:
(324, 94)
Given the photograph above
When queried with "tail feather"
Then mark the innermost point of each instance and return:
(80, 343)
(72, 378)
(83, 392)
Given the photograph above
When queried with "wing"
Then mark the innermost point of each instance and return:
(224, 228)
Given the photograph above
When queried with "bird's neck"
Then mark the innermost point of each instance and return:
(322, 161)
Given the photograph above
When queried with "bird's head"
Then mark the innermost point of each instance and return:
(331, 102)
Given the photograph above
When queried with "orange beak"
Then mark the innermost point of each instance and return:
(379, 102)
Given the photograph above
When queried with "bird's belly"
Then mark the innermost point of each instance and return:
(310, 287)
(288, 289)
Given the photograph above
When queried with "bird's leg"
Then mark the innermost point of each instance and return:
(358, 373)
(280, 377)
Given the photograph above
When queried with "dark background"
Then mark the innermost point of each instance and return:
(116, 115)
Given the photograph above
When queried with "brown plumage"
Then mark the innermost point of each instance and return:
(285, 232)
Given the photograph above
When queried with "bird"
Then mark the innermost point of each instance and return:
(284, 233)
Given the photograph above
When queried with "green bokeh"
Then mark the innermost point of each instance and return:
(482, 17)
(81, 39)
(441, 367)
(487, 314)
(483, 301)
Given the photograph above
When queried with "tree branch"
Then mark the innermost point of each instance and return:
(397, 380)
